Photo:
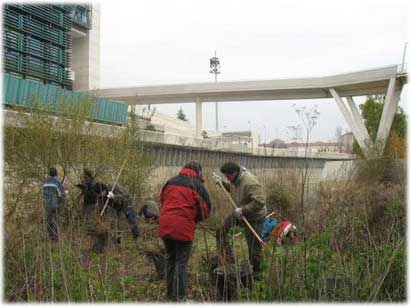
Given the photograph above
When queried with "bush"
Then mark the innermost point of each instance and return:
(281, 195)
(34, 270)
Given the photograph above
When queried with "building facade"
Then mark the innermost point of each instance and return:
(54, 44)
(51, 57)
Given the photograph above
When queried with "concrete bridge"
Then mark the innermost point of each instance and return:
(168, 159)
(229, 145)
(171, 152)
(386, 80)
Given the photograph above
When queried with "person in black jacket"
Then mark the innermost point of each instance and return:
(120, 202)
(87, 187)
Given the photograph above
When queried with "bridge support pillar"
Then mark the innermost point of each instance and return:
(353, 121)
(390, 107)
(358, 119)
(199, 117)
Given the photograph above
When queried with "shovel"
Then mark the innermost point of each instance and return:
(264, 245)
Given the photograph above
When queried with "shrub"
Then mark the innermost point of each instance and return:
(34, 270)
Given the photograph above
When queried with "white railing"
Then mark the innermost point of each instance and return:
(264, 151)
(235, 144)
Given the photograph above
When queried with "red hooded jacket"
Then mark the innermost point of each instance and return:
(280, 229)
(184, 202)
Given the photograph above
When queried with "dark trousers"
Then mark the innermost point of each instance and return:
(89, 210)
(178, 253)
(52, 224)
(254, 247)
(132, 220)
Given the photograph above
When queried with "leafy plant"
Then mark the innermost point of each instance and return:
(371, 111)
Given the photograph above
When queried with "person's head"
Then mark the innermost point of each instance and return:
(53, 171)
(88, 173)
(196, 166)
(231, 171)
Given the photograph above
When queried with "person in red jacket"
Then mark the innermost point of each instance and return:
(283, 231)
(184, 202)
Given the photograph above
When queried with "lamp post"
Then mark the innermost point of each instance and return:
(215, 69)
(265, 135)
(403, 57)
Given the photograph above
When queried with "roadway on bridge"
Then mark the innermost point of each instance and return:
(367, 82)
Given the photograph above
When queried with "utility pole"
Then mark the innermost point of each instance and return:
(265, 135)
(403, 57)
(215, 69)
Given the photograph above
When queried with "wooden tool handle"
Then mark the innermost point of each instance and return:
(114, 186)
(244, 219)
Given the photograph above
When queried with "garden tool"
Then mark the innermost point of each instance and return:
(114, 186)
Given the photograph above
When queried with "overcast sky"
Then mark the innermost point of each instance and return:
(147, 42)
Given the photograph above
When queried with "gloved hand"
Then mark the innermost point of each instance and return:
(239, 212)
(217, 179)
(110, 195)
(135, 232)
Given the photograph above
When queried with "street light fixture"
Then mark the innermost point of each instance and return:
(215, 69)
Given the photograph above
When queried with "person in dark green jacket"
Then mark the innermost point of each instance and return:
(250, 199)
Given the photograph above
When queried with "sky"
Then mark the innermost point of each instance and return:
(152, 42)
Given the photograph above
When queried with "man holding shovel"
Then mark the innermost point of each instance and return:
(249, 198)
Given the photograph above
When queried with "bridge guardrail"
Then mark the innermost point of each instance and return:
(264, 151)
(240, 144)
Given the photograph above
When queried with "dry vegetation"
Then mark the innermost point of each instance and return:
(355, 230)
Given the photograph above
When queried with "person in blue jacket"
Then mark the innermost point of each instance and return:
(54, 197)
(269, 225)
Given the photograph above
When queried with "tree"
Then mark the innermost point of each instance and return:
(302, 133)
(181, 115)
(371, 111)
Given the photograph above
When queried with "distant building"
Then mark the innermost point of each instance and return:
(347, 141)
(276, 144)
(54, 44)
(247, 136)
(315, 147)
(51, 55)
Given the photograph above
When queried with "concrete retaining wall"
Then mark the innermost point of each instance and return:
(168, 160)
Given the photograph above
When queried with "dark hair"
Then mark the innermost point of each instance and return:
(88, 172)
(230, 168)
(100, 187)
(194, 165)
(53, 171)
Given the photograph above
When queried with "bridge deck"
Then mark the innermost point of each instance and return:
(374, 81)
